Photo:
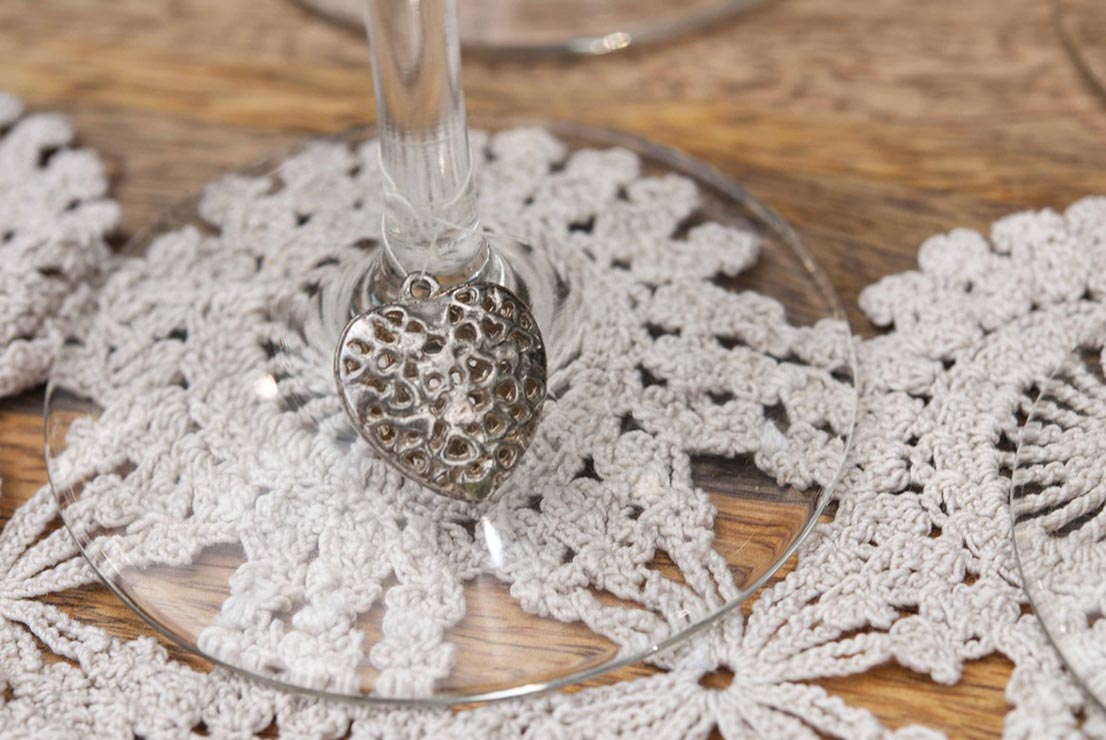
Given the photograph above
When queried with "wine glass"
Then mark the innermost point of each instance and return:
(700, 399)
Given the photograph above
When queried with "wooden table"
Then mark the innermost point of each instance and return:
(869, 125)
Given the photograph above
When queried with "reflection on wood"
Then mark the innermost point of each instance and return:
(497, 645)
(894, 694)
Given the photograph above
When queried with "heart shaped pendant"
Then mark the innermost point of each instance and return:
(447, 386)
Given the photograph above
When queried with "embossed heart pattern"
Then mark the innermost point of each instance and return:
(446, 386)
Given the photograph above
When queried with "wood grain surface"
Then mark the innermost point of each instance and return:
(869, 125)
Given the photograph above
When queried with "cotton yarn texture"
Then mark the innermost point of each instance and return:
(916, 566)
(53, 221)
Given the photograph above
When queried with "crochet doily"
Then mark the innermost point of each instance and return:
(53, 220)
(916, 566)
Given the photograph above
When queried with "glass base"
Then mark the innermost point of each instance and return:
(1057, 503)
(1082, 27)
(701, 403)
(577, 26)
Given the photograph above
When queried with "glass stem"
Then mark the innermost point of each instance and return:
(430, 222)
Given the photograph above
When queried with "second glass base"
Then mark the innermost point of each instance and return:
(578, 26)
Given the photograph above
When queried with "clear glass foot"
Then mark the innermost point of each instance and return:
(701, 402)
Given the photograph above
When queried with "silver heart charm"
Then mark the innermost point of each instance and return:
(447, 386)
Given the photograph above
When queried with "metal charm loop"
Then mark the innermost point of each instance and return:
(419, 286)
